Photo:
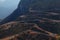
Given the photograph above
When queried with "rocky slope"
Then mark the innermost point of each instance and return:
(18, 30)
(32, 20)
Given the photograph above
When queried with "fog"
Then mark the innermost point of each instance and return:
(7, 7)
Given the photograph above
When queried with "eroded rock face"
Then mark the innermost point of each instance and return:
(29, 35)
(19, 30)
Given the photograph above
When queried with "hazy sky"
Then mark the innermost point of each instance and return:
(7, 7)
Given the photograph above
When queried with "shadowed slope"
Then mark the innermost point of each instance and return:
(39, 16)
(39, 5)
